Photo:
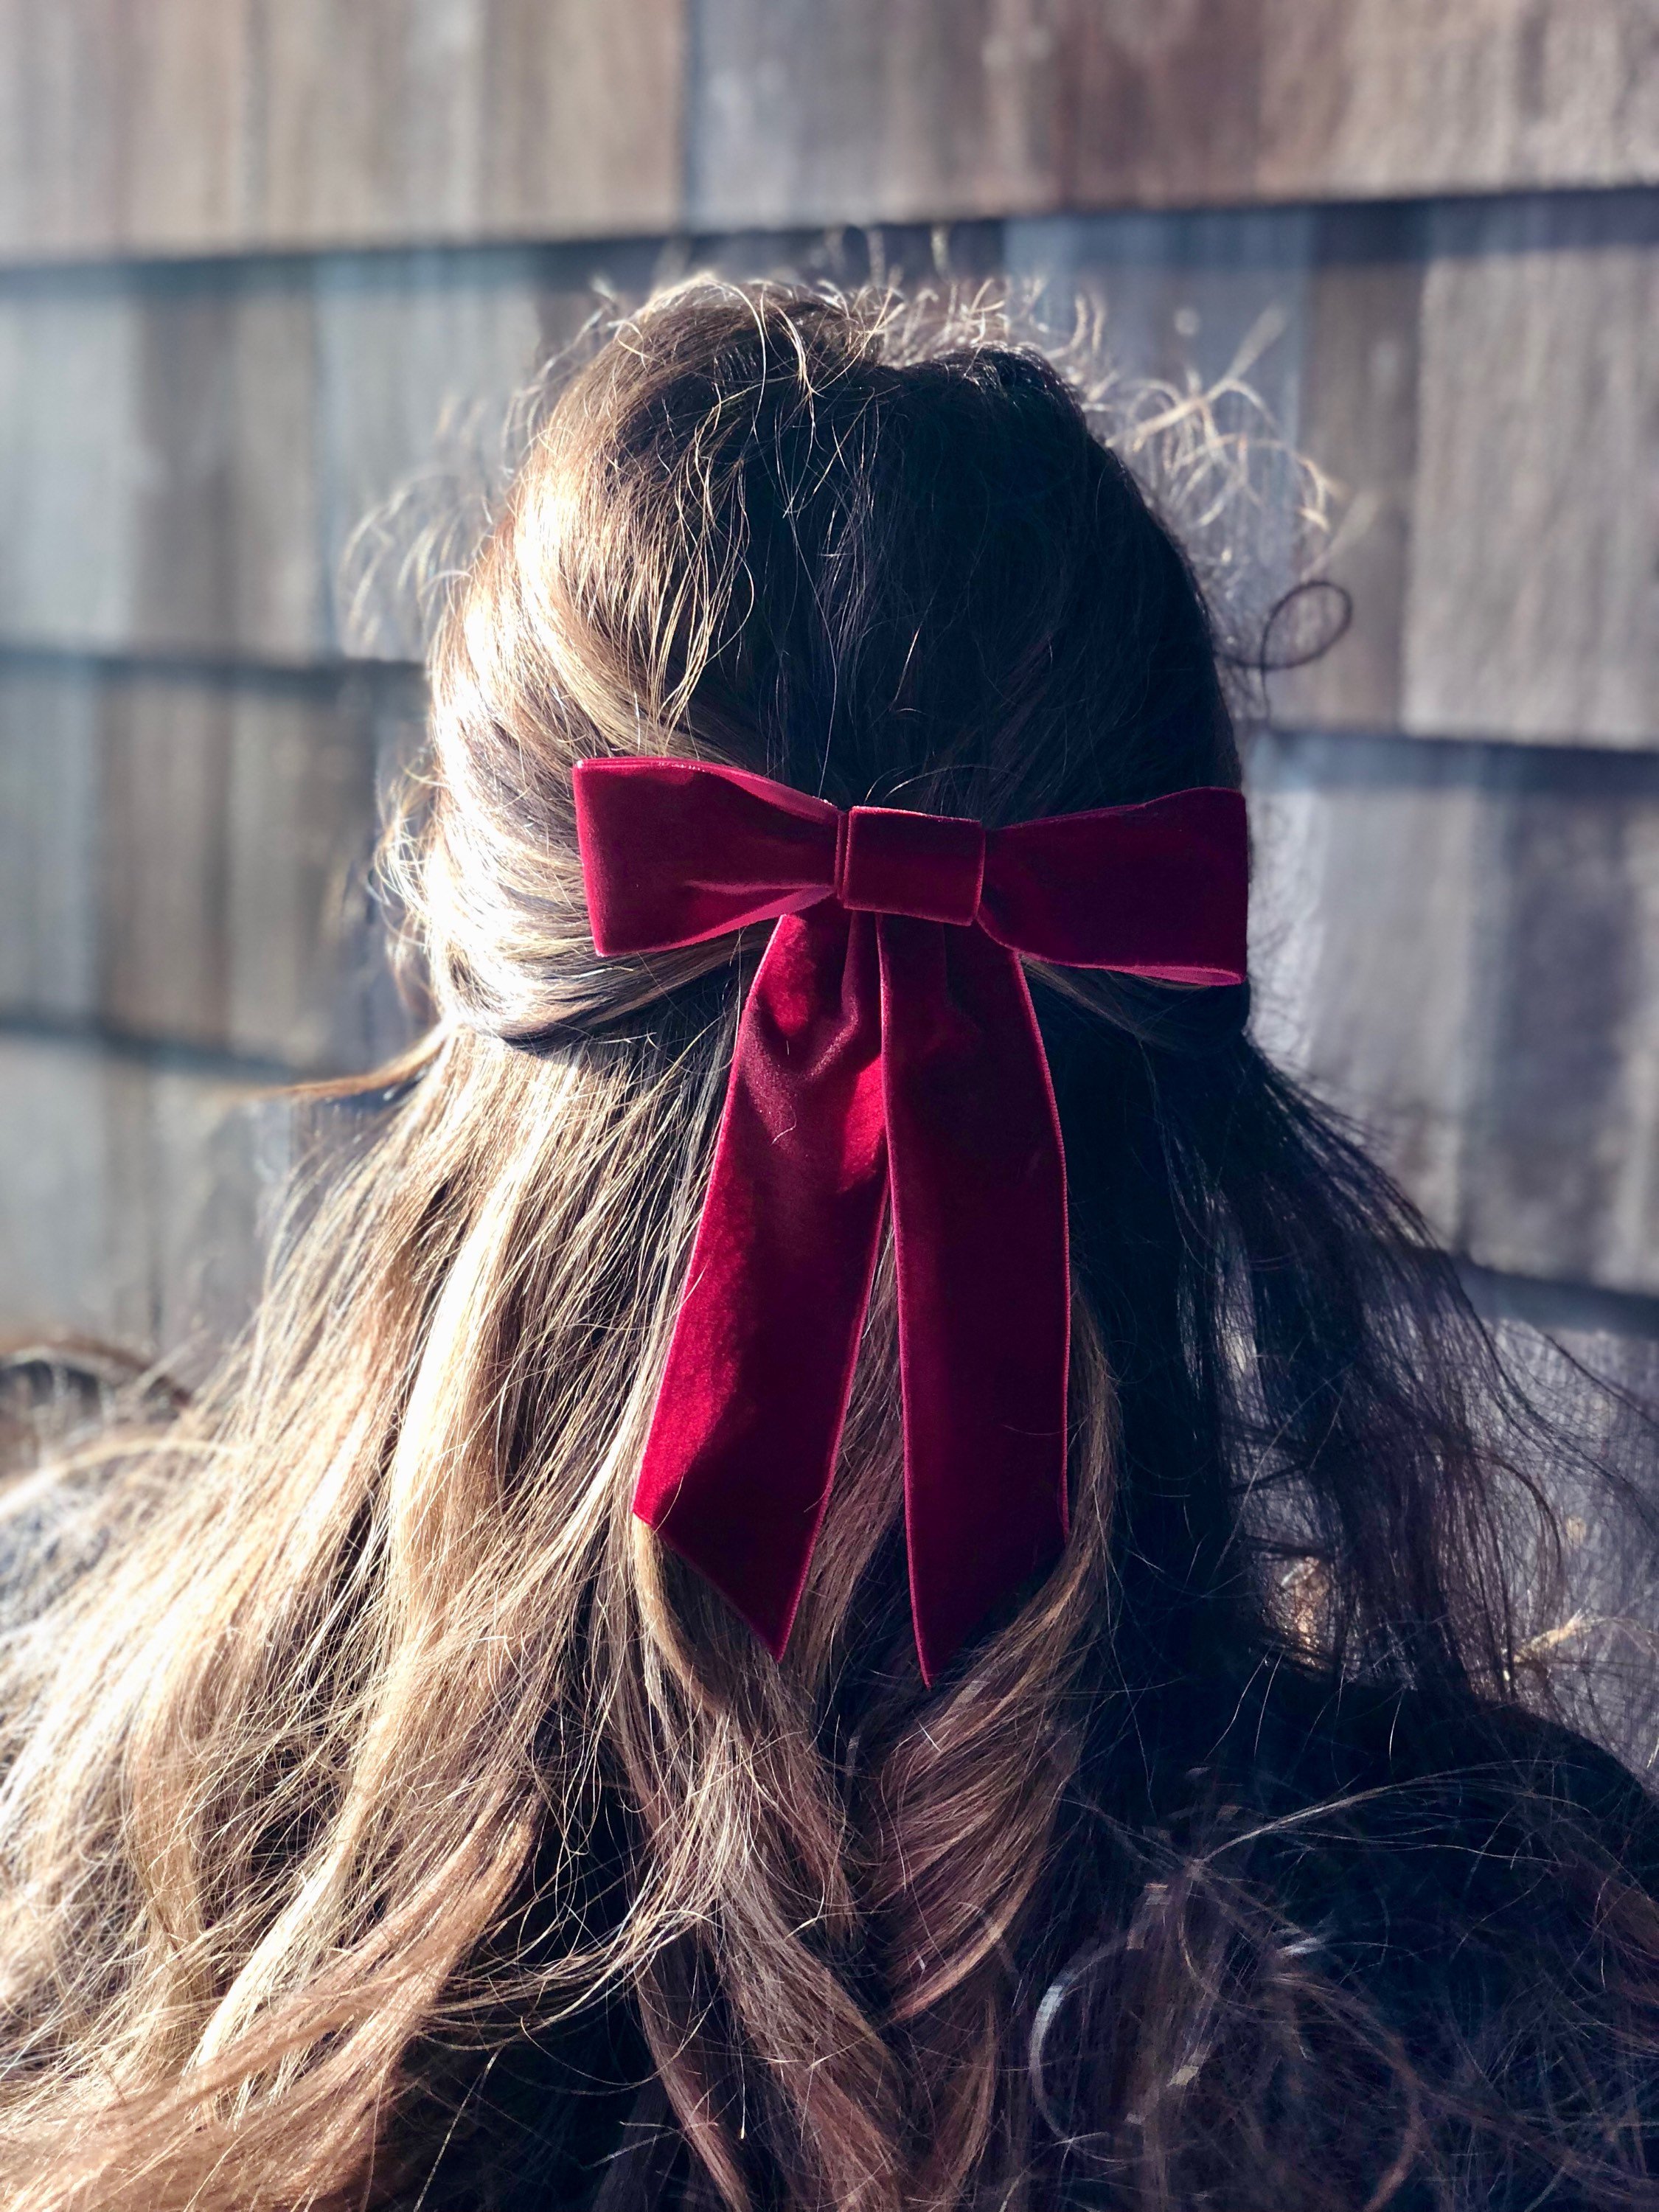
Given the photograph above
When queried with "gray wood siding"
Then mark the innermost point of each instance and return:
(265, 263)
(222, 126)
(219, 126)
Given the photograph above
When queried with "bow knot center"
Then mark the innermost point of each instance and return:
(928, 865)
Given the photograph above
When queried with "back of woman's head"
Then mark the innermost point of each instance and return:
(750, 534)
(392, 1747)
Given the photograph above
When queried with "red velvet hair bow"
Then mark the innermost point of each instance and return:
(887, 1043)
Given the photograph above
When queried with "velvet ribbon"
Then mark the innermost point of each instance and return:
(888, 1045)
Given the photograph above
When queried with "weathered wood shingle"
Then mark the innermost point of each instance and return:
(1479, 382)
(1533, 601)
(322, 249)
(187, 856)
(938, 108)
(1459, 944)
(202, 126)
(134, 1199)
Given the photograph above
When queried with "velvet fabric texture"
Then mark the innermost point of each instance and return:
(888, 1046)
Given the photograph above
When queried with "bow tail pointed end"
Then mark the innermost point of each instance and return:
(765, 1601)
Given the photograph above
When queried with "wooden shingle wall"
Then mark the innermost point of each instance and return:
(263, 261)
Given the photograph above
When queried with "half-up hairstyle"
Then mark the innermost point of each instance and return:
(387, 1810)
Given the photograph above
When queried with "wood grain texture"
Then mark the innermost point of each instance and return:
(303, 956)
(72, 1254)
(417, 362)
(134, 1199)
(189, 856)
(1532, 600)
(163, 890)
(157, 462)
(185, 452)
(1364, 942)
(1478, 384)
(218, 1156)
(1359, 393)
(1459, 942)
(194, 126)
(1262, 340)
(1202, 323)
(73, 461)
(1362, 98)
(1460, 945)
(50, 771)
(874, 112)
(1562, 1164)
(1167, 101)
(871, 111)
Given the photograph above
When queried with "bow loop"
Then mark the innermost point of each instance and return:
(888, 1048)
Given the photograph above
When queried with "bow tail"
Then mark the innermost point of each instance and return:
(979, 1209)
(738, 1466)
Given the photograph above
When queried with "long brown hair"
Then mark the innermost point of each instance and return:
(382, 1737)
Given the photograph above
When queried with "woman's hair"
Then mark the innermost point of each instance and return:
(381, 1744)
